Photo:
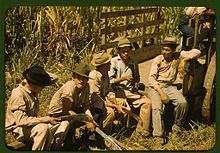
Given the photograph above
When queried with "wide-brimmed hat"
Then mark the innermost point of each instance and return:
(37, 76)
(100, 58)
(82, 69)
(170, 41)
(124, 42)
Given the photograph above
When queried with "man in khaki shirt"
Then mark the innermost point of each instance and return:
(22, 109)
(73, 98)
(162, 75)
(101, 92)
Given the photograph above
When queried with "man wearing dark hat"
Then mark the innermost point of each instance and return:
(102, 97)
(162, 75)
(73, 98)
(124, 79)
(22, 109)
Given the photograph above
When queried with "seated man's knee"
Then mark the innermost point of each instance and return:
(42, 129)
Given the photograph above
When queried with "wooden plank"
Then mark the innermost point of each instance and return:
(139, 38)
(145, 53)
(109, 29)
(208, 85)
(127, 13)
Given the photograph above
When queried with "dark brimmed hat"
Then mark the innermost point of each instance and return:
(170, 41)
(100, 58)
(38, 76)
(82, 69)
(124, 42)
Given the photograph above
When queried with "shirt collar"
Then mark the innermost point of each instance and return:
(129, 60)
(27, 90)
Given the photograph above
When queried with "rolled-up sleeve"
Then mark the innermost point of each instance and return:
(192, 54)
(154, 73)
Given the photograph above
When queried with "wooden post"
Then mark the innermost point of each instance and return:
(126, 23)
(103, 41)
(195, 43)
(143, 29)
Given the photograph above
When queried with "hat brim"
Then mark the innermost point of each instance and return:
(83, 75)
(95, 64)
(30, 80)
(169, 43)
(126, 45)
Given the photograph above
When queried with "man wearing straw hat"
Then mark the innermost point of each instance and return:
(22, 109)
(102, 97)
(162, 75)
(124, 79)
(73, 98)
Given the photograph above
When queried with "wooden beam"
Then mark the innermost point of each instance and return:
(139, 38)
(145, 53)
(109, 29)
(127, 13)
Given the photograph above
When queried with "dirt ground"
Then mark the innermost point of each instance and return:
(144, 69)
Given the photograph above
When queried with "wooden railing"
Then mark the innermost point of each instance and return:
(145, 24)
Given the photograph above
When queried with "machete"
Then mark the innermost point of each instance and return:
(128, 111)
(86, 118)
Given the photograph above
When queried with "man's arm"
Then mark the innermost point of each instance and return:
(185, 56)
(90, 126)
(113, 74)
(119, 108)
(153, 80)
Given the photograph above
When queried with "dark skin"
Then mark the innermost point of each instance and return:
(124, 53)
(167, 52)
(80, 82)
(103, 69)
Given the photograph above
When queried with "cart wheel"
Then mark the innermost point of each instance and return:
(209, 86)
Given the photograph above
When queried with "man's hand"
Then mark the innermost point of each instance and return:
(163, 96)
(120, 109)
(90, 126)
(128, 78)
(54, 121)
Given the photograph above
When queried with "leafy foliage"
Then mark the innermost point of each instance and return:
(49, 35)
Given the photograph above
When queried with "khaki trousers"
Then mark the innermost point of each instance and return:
(137, 101)
(44, 136)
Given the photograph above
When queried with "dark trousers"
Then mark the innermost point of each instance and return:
(188, 31)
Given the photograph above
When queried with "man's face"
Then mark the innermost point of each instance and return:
(80, 81)
(167, 52)
(124, 53)
(105, 68)
(36, 88)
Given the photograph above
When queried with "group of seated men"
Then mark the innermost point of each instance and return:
(111, 89)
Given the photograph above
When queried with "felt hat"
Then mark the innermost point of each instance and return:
(170, 41)
(82, 69)
(37, 76)
(124, 42)
(100, 58)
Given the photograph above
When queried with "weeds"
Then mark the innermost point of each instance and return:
(52, 35)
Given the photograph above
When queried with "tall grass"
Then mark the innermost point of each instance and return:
(49, 35)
